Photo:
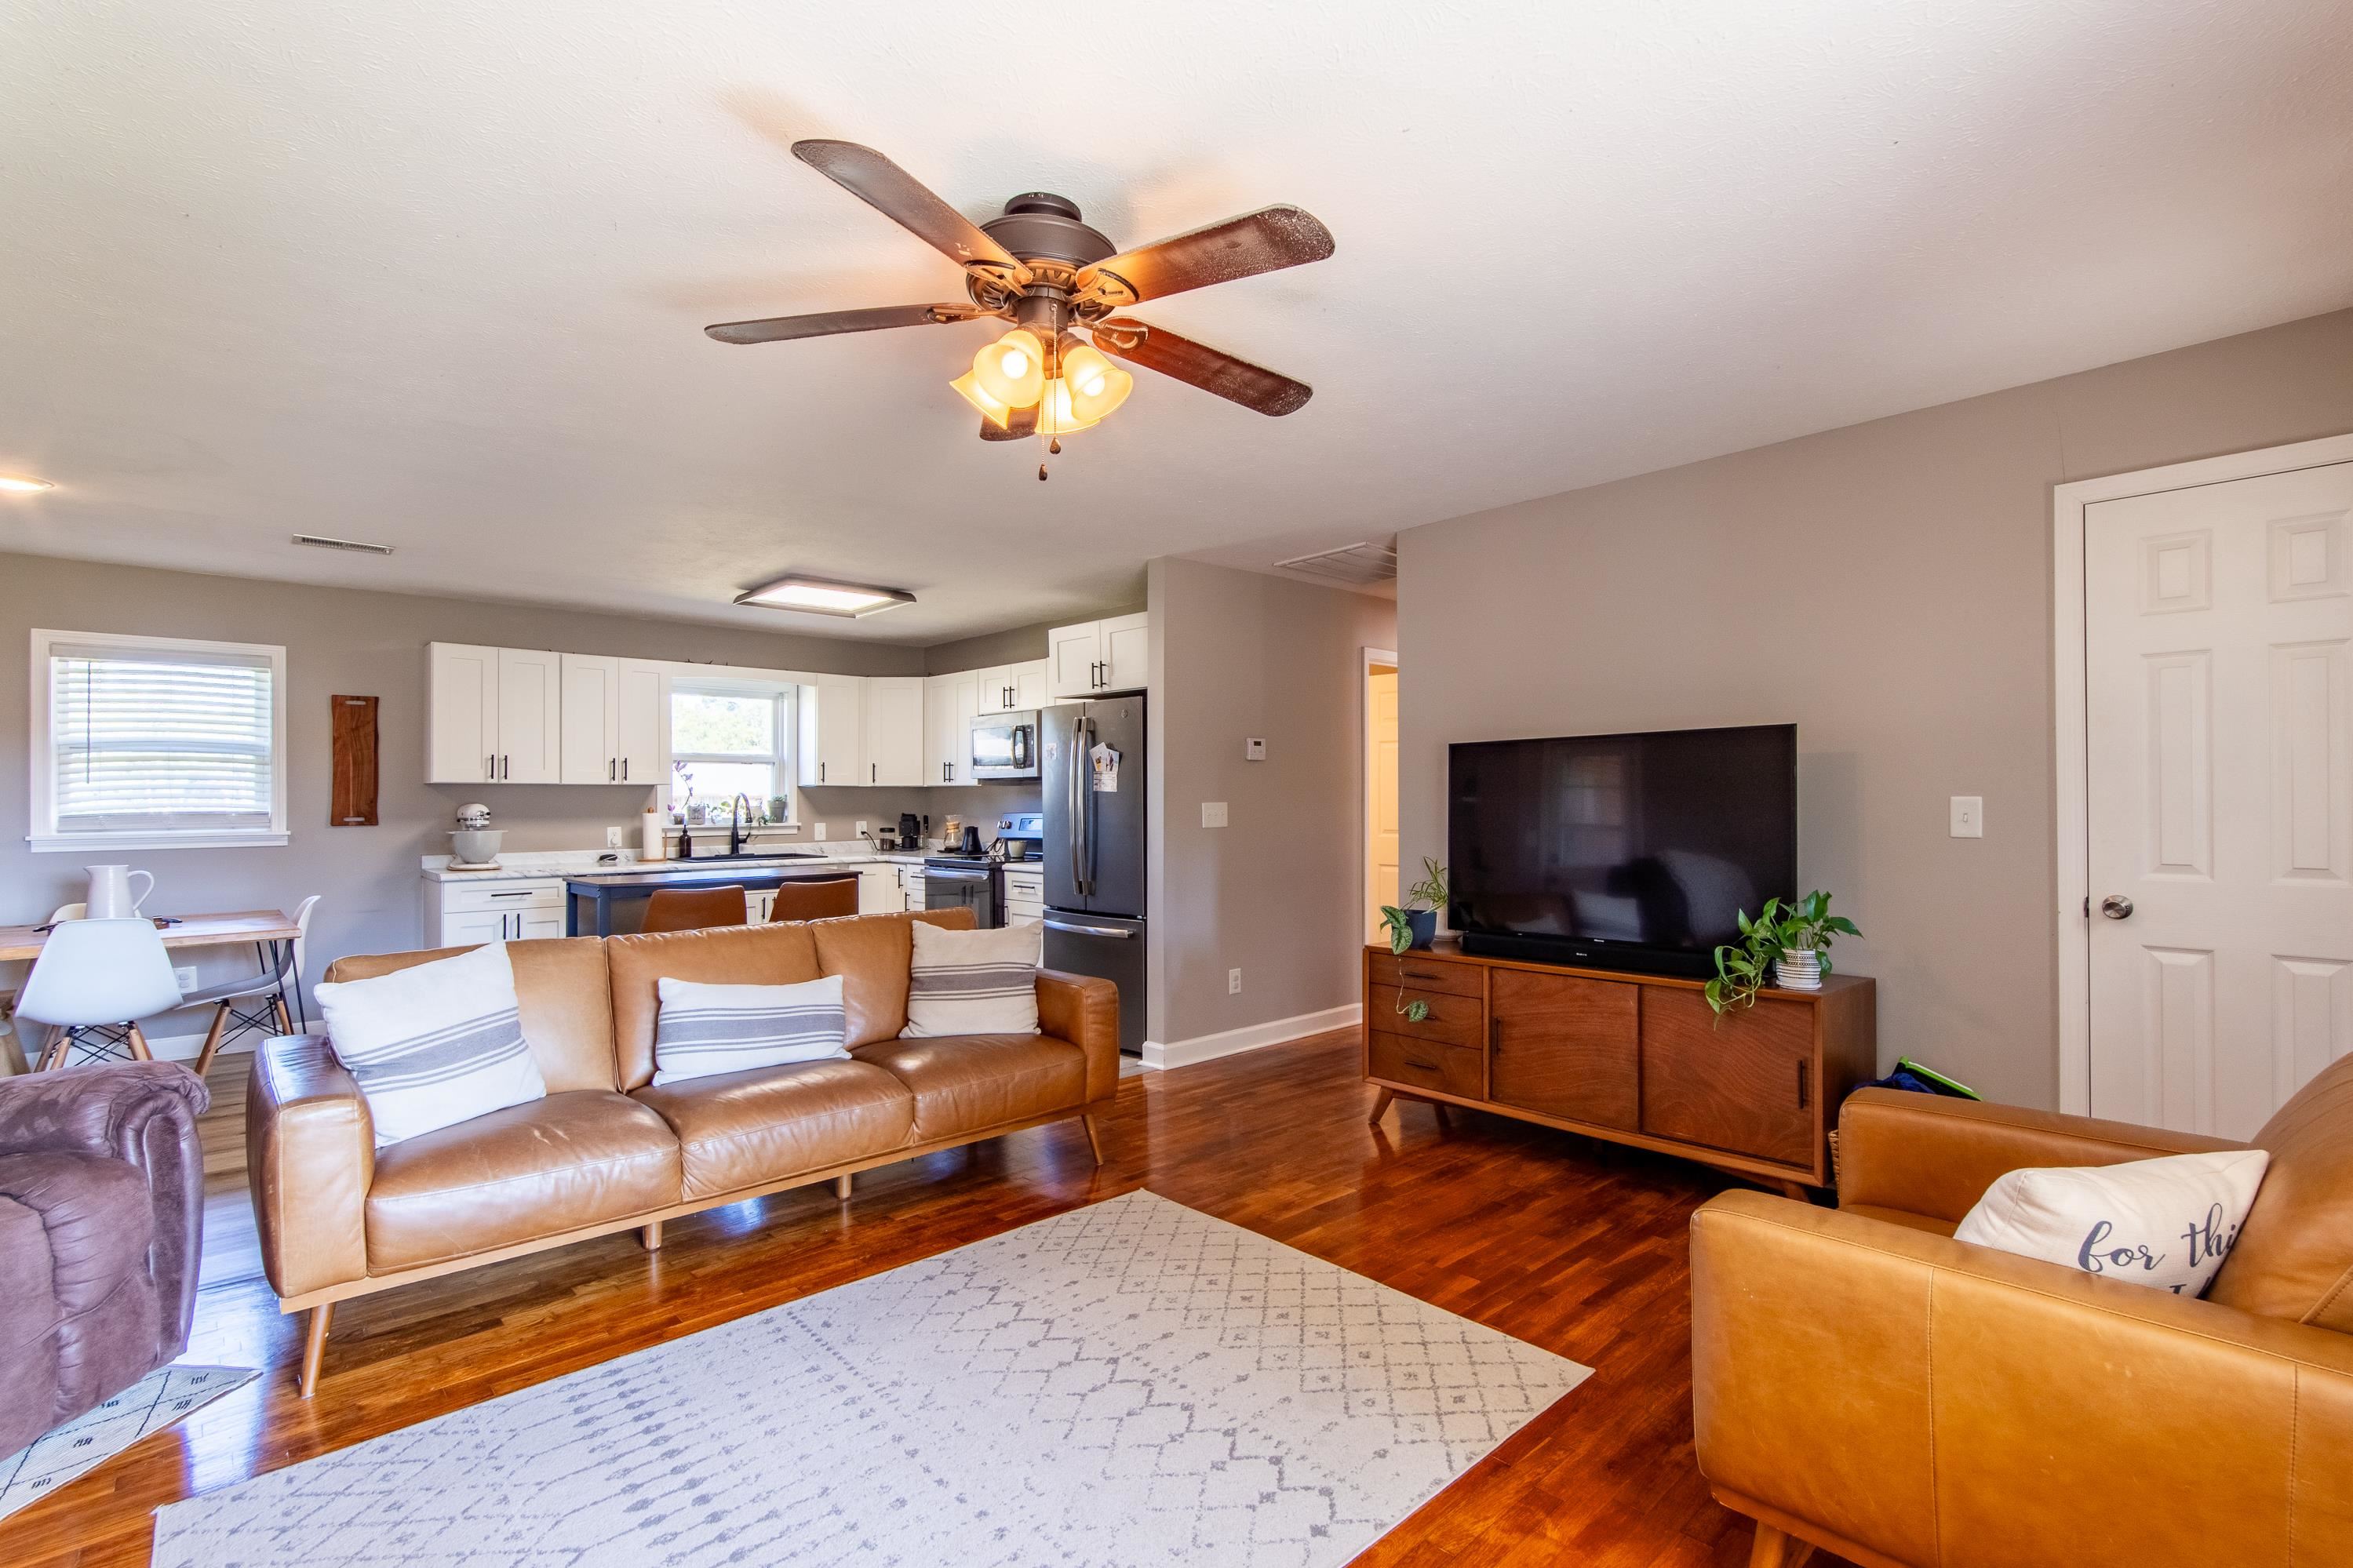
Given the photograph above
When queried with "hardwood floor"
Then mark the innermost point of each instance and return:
(1575, 1246)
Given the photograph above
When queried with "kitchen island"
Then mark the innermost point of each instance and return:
(613, 903)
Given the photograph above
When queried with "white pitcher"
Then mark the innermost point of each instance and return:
(109, 891)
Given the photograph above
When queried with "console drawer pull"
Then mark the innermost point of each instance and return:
(1416, 1062)
(1802, 1085)
(1419, 973)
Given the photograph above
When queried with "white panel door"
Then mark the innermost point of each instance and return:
(531, 716)
(2219, 756)
(1074, 660)
(589, 713)
(1380, 797)
(462, 706)
(1030, 686)
(878, 890)
(832, 715)
(950, 704)
(893, 730)
(641, 722)
(1126, 653)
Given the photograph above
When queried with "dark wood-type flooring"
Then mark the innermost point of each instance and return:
(1575, 1246)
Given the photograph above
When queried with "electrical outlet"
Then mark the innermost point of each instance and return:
(1213, 814)
(612, 838)
(1254, 749)
(820, 831)
(1968, 817)
(184, 977)
(1233, 981)
(862, 827)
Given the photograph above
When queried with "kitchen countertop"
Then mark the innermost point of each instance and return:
(558, 864)
(679, 874)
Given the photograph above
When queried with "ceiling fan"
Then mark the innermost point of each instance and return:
(1064, 286)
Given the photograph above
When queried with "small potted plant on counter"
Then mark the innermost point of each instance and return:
(1416, 924)
(1787, 943)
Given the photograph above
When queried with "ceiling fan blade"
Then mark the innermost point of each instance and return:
(1019, 425)
(1211, 369)
(905, 201)
(1264, 241)
(825, 323)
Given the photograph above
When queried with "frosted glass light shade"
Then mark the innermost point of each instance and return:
(1012, 370)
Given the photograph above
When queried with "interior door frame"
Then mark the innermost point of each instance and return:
(2071, 739)
(1371, 657)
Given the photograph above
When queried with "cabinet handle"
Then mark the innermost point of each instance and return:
(612, 769)
(874, 772)
(1416, 1062)
(490, 766)
(1803, 1085)
(1417, 973)
(820, 772)
(522, 895)
(506, 766)
(625, 770)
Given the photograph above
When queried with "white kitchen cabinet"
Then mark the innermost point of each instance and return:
(1110, 655)
(1014, 688)
(531, 716)
(832, 717)
(878, 889)
(1025, 896)
(892, 729)
(590, 703)
(911, 886)
(503, 909)
(641, 722)
(759, 904)
(951, 703)
(461, 713)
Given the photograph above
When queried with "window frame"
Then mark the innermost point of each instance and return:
(42, 835)
(785, 738)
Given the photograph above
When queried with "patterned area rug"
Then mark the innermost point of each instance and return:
(152, 1403)
(1133, 1383)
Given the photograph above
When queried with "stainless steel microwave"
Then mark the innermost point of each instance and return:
(1005, 746)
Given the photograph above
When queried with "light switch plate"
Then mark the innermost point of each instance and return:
(1254, 749)
(184, 977)
(1213, 814)
(612, 838)
(1968, 817)
(821, 830)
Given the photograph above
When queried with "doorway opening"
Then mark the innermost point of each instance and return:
(1380, 729)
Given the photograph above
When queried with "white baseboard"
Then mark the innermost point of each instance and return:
(1252, 1037)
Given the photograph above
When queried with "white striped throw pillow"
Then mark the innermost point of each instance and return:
(705, 1029)
(973, 982)
(433, 1045)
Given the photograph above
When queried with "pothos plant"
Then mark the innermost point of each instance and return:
(1430, 893)
(1802, 925)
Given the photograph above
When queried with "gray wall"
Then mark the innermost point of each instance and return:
(347, 641)
(1016, 647)
(1888, 587)
(1280, 892)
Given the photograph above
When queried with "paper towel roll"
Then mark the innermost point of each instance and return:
(650, 838)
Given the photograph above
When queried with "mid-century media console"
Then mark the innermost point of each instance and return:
(1635, 1059)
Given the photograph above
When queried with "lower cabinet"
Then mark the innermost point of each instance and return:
(1024, 897)
(469, 914)
(879, 891)
(1640, 1059)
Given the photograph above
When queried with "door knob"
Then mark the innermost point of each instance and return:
(2116, 907)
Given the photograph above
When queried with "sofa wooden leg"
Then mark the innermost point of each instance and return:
(650, 1234)
(841, 1187)
(1095, 1137)
(314, 1346)
(1381, 1103)
(1778, 1548)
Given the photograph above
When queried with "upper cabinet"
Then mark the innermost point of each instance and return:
(951, 703)
(833, 724)
(493, 715)
(531, 716)
(1098, 656)
(893, 729)
(612, 722)
(1014, 688)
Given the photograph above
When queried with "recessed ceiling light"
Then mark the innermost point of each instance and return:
(818, 596)
(20, 484)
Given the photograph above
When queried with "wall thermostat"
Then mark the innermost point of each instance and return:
(1254, 750)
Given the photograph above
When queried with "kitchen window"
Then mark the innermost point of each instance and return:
(143, 742)
(728, 738)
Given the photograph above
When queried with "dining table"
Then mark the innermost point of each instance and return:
(268, 930)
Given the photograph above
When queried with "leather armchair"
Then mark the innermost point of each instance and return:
(1863, 1383)
(102, 1220)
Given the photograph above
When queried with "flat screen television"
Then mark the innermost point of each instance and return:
(1620, 851)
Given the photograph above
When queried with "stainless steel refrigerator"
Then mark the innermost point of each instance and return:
(1093, 773)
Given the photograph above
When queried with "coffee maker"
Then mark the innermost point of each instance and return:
(911, 831)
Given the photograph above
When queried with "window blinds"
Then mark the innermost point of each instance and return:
(158, 740)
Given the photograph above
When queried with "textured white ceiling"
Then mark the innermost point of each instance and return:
(433, 273)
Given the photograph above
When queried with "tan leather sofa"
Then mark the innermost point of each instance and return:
(607, 1151)
(1863, 1383)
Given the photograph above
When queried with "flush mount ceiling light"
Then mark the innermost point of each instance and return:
(817, 597)
(24, 485)
(1038, 267)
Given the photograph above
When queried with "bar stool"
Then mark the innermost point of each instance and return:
(266, 992)
(101, 976)
(692, 909)
(816, 901)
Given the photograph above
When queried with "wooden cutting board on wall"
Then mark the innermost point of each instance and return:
(351, 800)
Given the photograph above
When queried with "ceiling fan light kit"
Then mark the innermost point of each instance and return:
(823, 596)
(1038, 265)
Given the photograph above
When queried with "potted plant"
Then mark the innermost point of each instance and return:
(1416, 924)
(1787, 944)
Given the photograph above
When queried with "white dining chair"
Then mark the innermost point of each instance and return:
(264, 994)
(98, 976)
(68, 913)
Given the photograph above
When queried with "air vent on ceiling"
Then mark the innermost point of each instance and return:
(1359, 566)
(323, 543)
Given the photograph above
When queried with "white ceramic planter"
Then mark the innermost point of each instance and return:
(1799, 970)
